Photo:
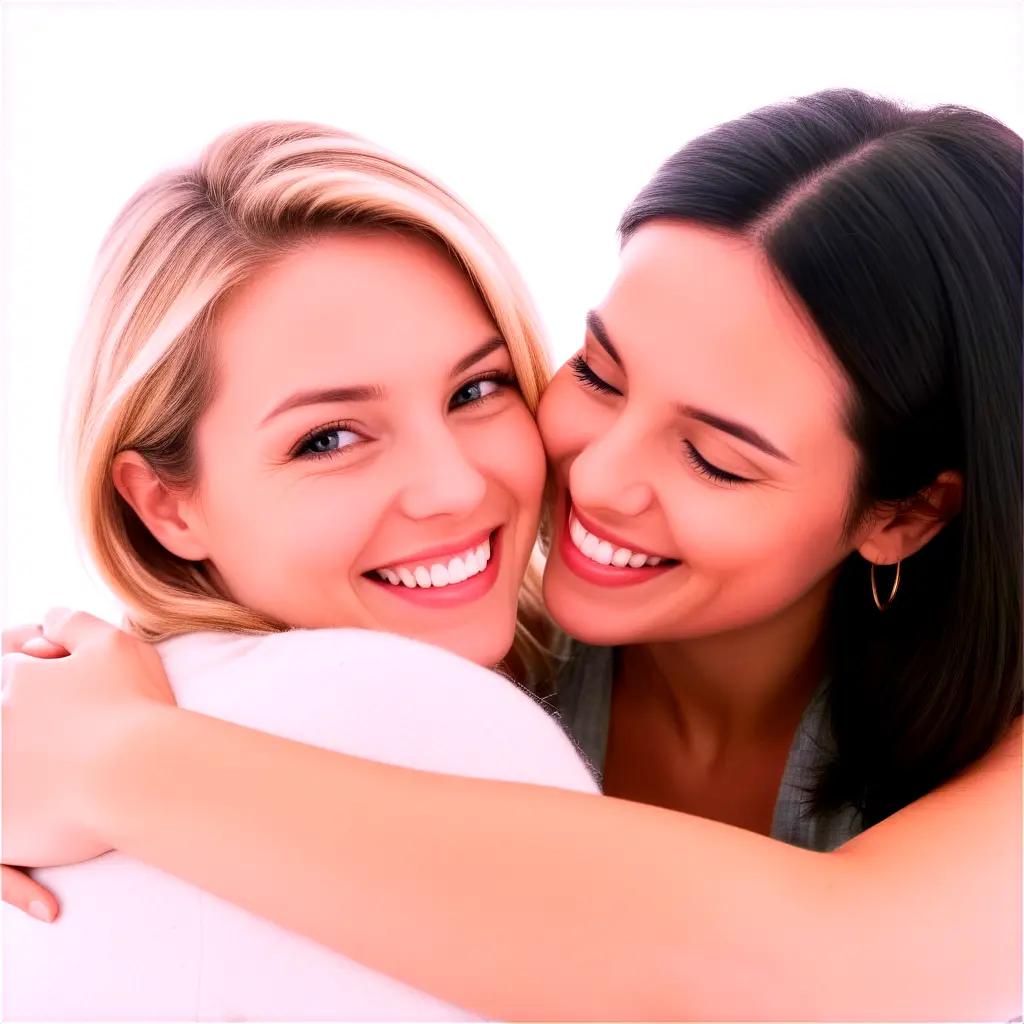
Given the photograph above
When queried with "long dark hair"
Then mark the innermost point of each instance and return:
(900, 231)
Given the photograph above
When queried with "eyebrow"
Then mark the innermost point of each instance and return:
(370, 392)
(319, 396)
(737, 430)
(599, 331)
(476, 355)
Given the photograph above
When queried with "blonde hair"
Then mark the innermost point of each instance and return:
(142, 370)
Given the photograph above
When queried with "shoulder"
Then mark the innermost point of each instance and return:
(977, 813)
(997, 770)
(375, 695)
(943, 877)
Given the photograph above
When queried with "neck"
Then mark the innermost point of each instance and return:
(740, 685)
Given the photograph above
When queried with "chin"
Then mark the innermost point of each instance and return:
(573, 618)
(585, 631)
(485, 647)
(597, 625)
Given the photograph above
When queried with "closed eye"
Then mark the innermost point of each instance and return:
(583, 372)
(708, 469)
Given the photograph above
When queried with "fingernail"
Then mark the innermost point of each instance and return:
(37, 908)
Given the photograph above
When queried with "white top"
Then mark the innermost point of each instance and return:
(133, 943)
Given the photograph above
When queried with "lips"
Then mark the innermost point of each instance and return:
(484, 560)
(605, 551)
(603, 560)
(427, 573)
(443, 552)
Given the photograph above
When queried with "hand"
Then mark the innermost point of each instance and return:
(17, 887)
(25, 893)
(30, 640)
(60, 716)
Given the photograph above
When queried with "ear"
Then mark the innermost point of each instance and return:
(171, 517)
(900, 533)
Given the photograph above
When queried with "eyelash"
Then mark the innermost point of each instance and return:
(585, 374)
(325, 430)
(506, 380)
(707, 469)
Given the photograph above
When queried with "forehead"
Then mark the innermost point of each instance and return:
(347, 309)
(700, 315)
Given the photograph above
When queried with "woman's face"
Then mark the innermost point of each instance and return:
(368, 460)
(698, 445)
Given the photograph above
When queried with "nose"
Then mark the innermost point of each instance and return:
(440, 479)
(609, 473)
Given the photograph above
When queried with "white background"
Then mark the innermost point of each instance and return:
(545, 117)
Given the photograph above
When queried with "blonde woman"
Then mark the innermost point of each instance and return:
(303, 398)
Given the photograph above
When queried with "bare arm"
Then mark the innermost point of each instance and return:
(521, 901)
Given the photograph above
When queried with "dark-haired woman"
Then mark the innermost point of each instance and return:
(787, 533)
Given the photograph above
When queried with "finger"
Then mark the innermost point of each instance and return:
(28, 895)
(69, 629)
(15, 638)
(40, 647)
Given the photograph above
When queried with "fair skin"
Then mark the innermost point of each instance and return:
(917, 918)
(445, 458)
(365, 419)
(721, 641)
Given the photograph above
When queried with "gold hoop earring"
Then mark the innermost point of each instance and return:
(892, 593)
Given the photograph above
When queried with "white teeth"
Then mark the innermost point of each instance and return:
(577, 532)
(604, 552)
(439, 574)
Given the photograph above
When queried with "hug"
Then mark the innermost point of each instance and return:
(451, 688)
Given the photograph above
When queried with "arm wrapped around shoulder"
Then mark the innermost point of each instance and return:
(133, 942)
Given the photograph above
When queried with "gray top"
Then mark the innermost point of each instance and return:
(584, 708)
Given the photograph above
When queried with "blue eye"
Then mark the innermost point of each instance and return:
(327, 441)
(481, 389)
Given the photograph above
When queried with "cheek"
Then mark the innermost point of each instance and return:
(568, 419)
(764, 542)
(513, 454)
(307, 530)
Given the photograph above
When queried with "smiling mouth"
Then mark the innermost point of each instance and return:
(604, 552)
(439, 573)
